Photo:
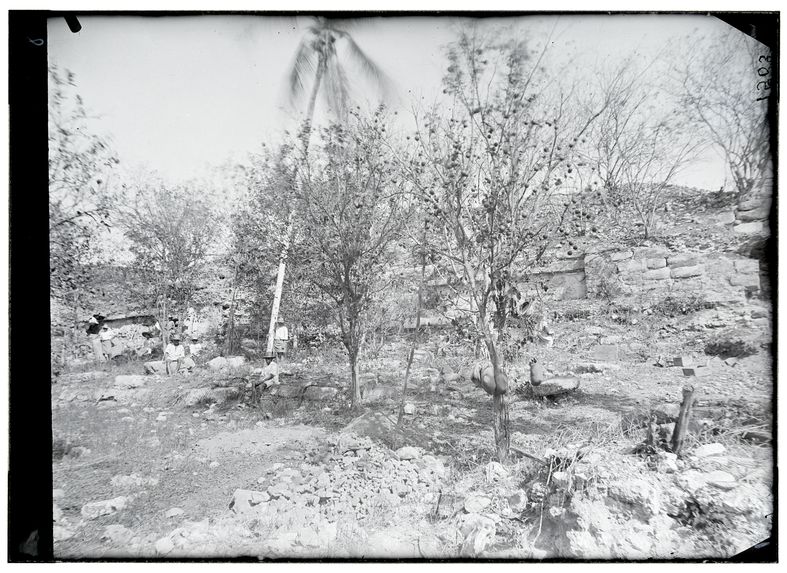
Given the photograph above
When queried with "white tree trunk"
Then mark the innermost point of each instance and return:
(279, 287)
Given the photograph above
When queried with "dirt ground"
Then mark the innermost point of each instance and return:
(172, 471)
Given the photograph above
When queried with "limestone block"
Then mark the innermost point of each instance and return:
(682, 260)
(747, 265)
(750, 228)
(631, 265)
(726, 218)
(761, 214)
(745, 280)
(751, 204)
(657, 274)
(657, 263)
(696, 371)
(621, 256)
(686, 272)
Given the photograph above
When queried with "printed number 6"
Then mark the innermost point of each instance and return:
(767, 85)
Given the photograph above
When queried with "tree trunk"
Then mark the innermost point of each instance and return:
(231, 317)
(355, 388)
(315, 89)
(679, 433)
(75, 327)
(288, 237)
(279, 286)
(502, 436)
(501, 425)
(416, 340)
(164, 324)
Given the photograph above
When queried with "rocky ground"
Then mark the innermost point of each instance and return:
(186, 466)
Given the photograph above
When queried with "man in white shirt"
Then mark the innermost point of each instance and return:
(106, 335)
(174, 354)
(268, 374)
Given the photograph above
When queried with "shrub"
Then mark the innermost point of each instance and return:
(673, 306)
(731, 347)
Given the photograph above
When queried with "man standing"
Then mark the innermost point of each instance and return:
(174, 354)
(93, 330)
(106, 335)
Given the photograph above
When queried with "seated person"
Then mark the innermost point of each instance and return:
(174, 354)
(269, 374)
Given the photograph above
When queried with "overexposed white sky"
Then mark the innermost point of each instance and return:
(179, 94)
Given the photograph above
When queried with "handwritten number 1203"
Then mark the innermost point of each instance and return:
(763, 71)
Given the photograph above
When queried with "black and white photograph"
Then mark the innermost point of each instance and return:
(423, 286)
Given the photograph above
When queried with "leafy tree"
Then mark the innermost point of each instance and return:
(80, 163)
(320, 44)
(491, 168)
(170, 231)
(725, 82)
(259, 227)
(350, 213)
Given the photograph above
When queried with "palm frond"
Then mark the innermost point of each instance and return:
(338, 86)
(367, 65)
(301, 67)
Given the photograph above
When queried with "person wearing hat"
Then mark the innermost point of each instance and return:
(174, 354)
(93, 330)
(106, 335)
(269, 374)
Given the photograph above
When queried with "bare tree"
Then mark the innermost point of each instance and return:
(725, 86)
(638, 145)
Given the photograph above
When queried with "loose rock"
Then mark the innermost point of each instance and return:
(118, 534)
(495, 471)
(96, 509)
(174, 512)
(477, 503)
(61, 533)
(129, 381)
(164, 546)
(408, 453)
(720, 479)
(479, 532)
(706, 450)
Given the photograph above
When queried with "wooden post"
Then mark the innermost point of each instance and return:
(682, 424)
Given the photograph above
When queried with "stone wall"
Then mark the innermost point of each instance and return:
(564, 279)
(721, 277)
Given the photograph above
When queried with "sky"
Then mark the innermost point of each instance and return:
(180, 94)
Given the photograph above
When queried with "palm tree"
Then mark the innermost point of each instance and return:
(317, 54)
